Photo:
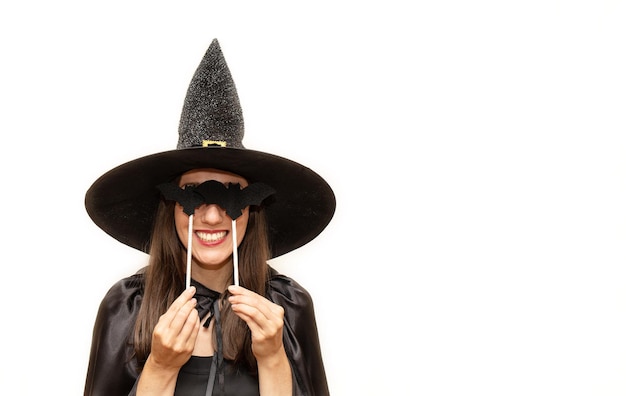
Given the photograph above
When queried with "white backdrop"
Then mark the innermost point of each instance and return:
(477, 151)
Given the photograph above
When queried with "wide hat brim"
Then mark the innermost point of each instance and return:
(123, 201)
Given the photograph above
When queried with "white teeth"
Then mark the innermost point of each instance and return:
(211, 236)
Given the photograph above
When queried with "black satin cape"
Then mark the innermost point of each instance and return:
(113, 371)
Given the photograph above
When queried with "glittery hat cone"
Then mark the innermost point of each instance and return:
(123, 201)
(211, 113)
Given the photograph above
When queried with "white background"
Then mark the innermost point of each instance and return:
(477, 150)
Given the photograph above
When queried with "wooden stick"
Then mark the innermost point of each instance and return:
(235, 255)
(189, 235)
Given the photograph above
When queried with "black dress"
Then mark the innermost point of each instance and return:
(113, 371)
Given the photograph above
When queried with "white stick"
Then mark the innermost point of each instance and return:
(189, 234)
(235, 256)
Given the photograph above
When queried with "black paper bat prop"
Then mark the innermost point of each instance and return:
(232, 198)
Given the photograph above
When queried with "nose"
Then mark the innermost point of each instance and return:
(210, 213)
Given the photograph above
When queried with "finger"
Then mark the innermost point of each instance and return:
(256, 328)
(180, 301)
(235, 289)
(189, 332)
(262, 316)
(187, 313)
(267, 308)
(182, 328)
(265, 319)
(241, 295)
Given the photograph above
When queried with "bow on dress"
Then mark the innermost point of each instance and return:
(208, 305)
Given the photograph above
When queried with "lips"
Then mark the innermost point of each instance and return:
(211, 237)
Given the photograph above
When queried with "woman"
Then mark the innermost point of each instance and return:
(208, 316)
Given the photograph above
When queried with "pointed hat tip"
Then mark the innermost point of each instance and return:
(211, 111)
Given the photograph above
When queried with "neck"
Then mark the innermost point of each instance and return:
(215, 278)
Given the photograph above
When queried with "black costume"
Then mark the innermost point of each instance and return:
(113, 371)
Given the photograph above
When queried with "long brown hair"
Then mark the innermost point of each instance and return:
(165, 280)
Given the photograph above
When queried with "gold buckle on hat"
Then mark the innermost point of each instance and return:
(207, 143)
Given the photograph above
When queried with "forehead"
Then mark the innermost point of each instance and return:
(201, 175)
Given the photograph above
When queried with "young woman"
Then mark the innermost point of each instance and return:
(208, 315)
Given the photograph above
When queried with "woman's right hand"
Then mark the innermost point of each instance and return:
(174, 336)
(173, 340)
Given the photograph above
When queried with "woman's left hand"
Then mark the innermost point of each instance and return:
(264, 318)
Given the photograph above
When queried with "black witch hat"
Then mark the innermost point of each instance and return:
(123, 201)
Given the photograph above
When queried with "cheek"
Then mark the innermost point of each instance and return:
(182, 223)
(242, 225)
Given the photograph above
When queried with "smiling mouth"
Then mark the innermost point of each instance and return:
(211, 237)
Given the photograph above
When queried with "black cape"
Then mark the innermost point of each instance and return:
(113, 371)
